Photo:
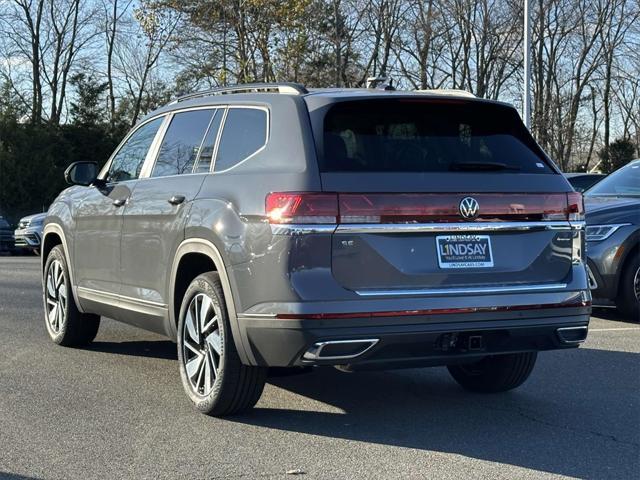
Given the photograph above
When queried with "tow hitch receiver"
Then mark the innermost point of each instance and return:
(476, 343)
(461, 342)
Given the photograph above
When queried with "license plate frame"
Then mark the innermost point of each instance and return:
(464, 251)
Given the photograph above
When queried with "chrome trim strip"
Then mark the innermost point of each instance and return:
(462, 291)
(452, 227)
(314, 353)
(92, 294)
(579, 225)
(564, 329)
(301, 229)
(256, 315)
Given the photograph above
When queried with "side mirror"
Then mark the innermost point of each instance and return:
(81, 173)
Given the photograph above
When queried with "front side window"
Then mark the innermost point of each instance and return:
(181, 143)
(127, 163)
(243, 134)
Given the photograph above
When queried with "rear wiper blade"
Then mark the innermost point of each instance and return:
(481, 166)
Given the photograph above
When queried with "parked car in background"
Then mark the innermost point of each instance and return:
(28, 235)
(6, 236)
(271, 226)
(583, 181)
(613, 239)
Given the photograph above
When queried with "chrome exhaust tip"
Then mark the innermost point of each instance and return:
(572, 335)
(339, 349)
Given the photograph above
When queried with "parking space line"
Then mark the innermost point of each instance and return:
(612, 329)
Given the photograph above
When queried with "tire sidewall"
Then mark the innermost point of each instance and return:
(56, 253)
(628, 301)
(208, 285)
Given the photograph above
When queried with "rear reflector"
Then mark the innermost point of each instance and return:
(579, 302)
(360, 208)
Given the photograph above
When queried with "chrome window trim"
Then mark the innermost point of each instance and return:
(454, 227)
(461, 291)
(154, 149)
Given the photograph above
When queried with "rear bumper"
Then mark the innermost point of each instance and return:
(389, 342)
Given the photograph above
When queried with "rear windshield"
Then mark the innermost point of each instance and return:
(427, 136)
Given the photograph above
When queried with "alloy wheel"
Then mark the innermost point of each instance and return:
(636, 284)
(56, 294)
(202, 343)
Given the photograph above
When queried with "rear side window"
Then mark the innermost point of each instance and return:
(243, 134)
(181, 143)
(427, 136)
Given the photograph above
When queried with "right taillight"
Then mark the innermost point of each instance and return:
(575, 206)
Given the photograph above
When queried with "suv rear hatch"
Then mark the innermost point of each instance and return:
(439, 193)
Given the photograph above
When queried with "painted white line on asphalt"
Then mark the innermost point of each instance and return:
(612, 329)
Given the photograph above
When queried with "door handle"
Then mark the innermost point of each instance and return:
(176, 199)
(118, 202)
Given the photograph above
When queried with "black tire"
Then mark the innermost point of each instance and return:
(628, 301)
(233, 387)
(493, 374)
(66, 325)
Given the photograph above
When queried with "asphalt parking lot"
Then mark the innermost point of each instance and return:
(117, 410)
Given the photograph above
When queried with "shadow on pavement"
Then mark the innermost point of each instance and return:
(13, 476)
(579, 417)
(162, 349)
(608, 313)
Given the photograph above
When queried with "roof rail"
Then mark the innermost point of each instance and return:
(281, 87)
(447, 91)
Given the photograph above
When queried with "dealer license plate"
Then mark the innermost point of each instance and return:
(464, 251)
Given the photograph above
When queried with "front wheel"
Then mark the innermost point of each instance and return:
(65, 324)
(628, 301)
(493, 374)
(212, 374)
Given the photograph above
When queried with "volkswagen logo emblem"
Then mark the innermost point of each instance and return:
(469, 208)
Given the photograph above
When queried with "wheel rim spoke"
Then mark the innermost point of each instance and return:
(191, 346)
(193, 366)
(215, 342)
(51, 289)
(208, 381)
(191, 328)
(205, 306)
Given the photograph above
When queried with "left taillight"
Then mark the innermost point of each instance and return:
(317, 208)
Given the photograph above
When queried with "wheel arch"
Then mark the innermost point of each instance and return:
(52, 235)
(193, 249)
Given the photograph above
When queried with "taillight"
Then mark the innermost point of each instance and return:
(302, 207)
(575, 206)
(358, 208)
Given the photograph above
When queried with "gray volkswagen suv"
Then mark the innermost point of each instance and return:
(269, 225)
